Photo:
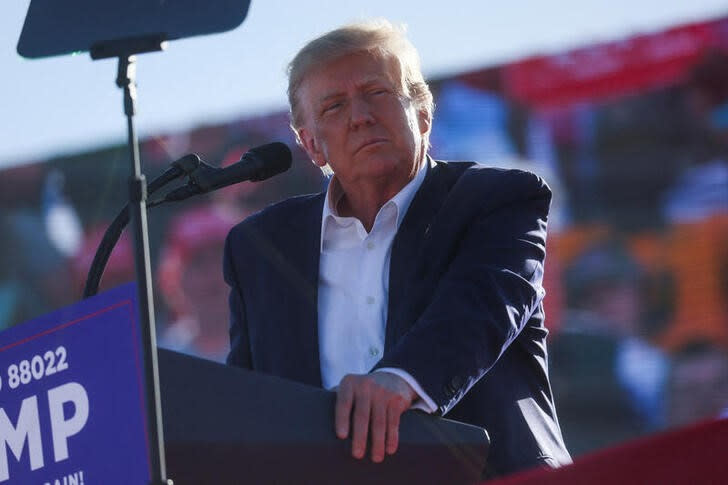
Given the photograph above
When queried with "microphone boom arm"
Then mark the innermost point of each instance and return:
(184, 166)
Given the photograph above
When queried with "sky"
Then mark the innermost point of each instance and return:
(68, 104)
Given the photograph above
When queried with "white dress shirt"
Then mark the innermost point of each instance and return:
(353, 288)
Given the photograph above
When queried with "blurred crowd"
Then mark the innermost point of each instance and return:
(637, 265)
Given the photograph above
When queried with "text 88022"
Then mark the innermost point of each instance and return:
(37, 367)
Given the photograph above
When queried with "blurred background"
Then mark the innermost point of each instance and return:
(621, 106)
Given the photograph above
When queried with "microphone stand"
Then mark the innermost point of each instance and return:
(126, 50)
(183, 166)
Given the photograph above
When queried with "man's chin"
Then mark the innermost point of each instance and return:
(381, 167)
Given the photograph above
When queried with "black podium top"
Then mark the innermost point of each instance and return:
(226, 425)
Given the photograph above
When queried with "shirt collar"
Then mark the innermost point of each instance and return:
(401, 200)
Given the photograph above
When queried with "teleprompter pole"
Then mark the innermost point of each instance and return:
(125, 50)
(126, 80)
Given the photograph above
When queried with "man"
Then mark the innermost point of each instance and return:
(409, 282)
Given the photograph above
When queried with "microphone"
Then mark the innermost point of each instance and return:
(257, 164)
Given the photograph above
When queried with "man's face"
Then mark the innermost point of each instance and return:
(356, 120)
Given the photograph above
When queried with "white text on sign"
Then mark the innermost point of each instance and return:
(36, 368)
(28, 426)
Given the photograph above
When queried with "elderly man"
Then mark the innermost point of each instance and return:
(409, 282)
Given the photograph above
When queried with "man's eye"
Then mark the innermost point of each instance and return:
(331, 107)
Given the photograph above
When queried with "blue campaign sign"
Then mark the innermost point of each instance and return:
(72, 406)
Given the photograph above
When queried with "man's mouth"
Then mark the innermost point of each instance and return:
(371, 142)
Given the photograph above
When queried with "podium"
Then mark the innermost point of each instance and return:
(226, 425)
(72, 410)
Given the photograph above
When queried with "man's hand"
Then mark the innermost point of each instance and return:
(377, 400)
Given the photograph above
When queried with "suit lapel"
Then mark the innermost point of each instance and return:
(407, 264)
(303, 253)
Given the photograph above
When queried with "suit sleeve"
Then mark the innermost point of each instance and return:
(239, 343)
(485, 294)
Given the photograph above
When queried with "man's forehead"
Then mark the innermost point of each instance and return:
(357, 69)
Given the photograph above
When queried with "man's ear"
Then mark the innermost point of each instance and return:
(311, 147)
(424, 121)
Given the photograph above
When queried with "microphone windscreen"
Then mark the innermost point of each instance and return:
(275, 157)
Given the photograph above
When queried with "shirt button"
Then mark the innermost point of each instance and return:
(370, 299)
(373, 351)
(370, 245)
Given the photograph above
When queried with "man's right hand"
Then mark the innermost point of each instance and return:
(370, 405)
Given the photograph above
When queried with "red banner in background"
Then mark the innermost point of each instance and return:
(613, 69)
(694, 455)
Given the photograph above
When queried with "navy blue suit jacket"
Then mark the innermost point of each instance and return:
(465, 315)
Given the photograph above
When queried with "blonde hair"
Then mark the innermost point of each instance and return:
(379, 37)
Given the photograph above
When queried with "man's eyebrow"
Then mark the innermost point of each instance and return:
(330, 96)
(374, 81)
(366, 83)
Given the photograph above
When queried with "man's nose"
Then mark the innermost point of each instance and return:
(361, 112)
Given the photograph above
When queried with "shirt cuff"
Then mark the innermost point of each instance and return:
(425, 402)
